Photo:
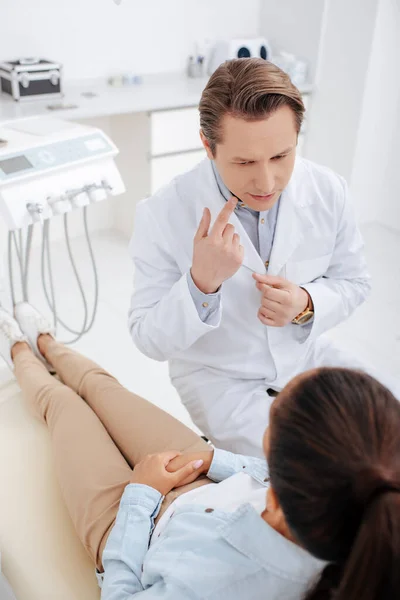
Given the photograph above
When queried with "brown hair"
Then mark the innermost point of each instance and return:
(334, 462)
(250, 88)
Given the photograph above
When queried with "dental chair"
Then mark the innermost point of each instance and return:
(41, 555)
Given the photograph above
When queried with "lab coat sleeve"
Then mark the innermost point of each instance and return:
(225, 464)
(346, 284)
(163, 318)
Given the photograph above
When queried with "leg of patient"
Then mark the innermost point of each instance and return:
(137, 426)
(91, 471)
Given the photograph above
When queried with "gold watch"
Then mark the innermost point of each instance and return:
(306, 315)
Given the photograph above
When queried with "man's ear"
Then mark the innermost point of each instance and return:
(206, 145)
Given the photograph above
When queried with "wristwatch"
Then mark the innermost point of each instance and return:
(306, 315)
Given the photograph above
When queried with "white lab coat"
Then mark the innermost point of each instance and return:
(220, 370)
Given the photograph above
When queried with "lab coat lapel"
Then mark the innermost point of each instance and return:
(293, 225)
(252, 260)
(212, 198)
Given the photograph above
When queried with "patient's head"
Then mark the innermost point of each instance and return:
(333, 449)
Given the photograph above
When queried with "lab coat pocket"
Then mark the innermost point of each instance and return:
(306, 271)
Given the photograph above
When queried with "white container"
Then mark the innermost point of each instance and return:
(238, 48)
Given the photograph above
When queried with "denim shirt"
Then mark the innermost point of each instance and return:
(203, 554)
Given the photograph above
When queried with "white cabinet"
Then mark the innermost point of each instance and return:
(175, 130)
(165, 168)
(175, 144)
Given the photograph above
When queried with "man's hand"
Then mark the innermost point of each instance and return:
(190, 457)
(281, 300)
(152, 471)
(217, 255)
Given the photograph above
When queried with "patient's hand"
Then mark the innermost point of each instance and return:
(189, 457)
(152, 471)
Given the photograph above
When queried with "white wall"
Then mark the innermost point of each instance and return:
(354, 125)
(341, 78)
(375, 181)
(93, 38)
(294, 26)
(389, 198)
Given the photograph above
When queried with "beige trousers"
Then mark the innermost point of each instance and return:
(99, 431)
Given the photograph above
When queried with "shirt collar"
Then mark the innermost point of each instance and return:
(251, 536)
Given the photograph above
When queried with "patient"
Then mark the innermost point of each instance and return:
(322, 524)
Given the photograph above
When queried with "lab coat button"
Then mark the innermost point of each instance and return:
(209, 510)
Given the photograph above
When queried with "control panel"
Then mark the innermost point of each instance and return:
(41, 178)
(42, 158)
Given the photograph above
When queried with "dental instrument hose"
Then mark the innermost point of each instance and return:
(23, 260)
(23, 255)
(50, 294)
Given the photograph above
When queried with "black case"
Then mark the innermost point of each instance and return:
(29, 79)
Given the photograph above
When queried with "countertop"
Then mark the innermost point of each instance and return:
(156, 92)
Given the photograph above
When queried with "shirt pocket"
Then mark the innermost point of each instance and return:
(306, 271)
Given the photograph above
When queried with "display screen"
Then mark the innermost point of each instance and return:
(13, 165)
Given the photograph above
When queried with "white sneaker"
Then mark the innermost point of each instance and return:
(10, 334)
(33, 324)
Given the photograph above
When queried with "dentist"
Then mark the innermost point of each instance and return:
(244, 262)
